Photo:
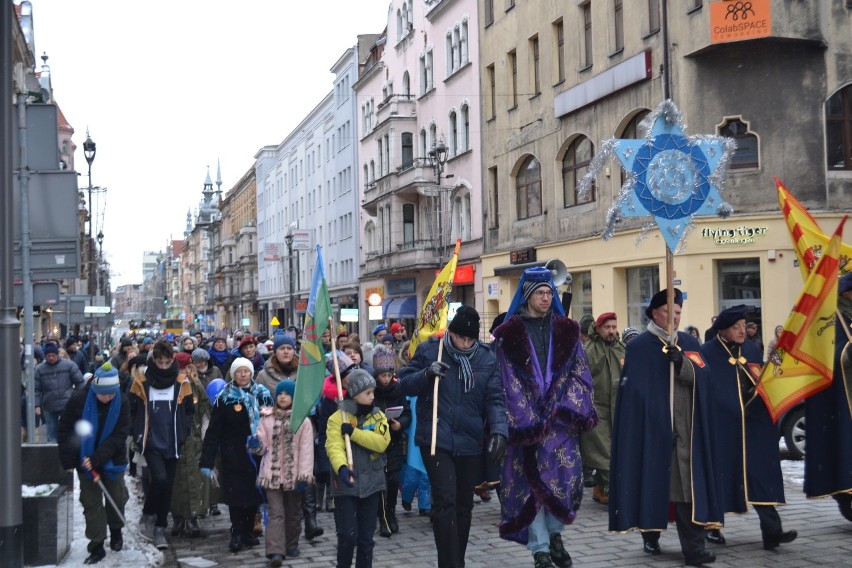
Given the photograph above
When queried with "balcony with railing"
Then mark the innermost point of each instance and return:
(410, 255)
(396, 107)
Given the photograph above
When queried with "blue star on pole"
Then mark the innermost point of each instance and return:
(672, 177)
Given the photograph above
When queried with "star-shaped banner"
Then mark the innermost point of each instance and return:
(671, 177)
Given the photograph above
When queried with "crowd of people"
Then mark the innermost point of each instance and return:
(663, 427)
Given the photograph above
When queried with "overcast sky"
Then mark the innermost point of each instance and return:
(167, 88)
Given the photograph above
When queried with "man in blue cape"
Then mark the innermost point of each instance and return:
(661, 461)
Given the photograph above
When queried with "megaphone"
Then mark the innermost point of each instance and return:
(560, 272)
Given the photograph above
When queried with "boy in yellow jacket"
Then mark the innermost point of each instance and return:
(357, 490)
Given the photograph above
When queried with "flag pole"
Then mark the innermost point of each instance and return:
(435, 400)
(346, 439)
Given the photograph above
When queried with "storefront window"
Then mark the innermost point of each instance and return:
(739, 283)
(581, 288)
(642, 283)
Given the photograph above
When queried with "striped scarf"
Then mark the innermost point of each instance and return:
(462, 358)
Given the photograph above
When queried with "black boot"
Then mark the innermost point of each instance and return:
(309, 511)
(116, 542)
(96, 554)
(236, 543)
(178, 525)
(390, 508)
(844, 503)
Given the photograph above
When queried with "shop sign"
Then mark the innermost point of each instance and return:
(402, 286)
(742, 235)
(349, 314)
(380, 290)
(301, 306)
(493, 289)
(522, 256)
(345, 300)
(374, 313)
(737, 21)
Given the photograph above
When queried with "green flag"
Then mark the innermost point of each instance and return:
(312, 372)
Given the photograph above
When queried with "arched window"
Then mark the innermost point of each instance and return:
(528, 184)
(631, 130)
(407, 226)
(366, 176)
(463, 43)
(461, 214)
(433, 135)
(421, 154)
(372, 171)
(401, 25)
(838, 129)
(406, 85)
(464, 143)
(454, 134)
(575, 165)
(370, 236)
(747, 154)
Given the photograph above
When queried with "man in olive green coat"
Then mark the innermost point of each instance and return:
(606, 356)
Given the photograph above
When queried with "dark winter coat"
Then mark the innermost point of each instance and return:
(113, 447)
(461, 415)
(54, 384)
(387, 397)
(190, 495)
(140, 409)
(229, 429)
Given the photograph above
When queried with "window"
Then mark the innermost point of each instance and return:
(461, 215)
(407, 149)
(406, 85)
(618, 20)
(454, 134)
(464, 142)
(433, 135)
(739, 283)
(653, 16)
(407, 226)
(492, 91)
(450, 48)
(642, 283)
(380, 142)
(423, 145)
(456, 49)
(587, 34)
(581, 303)
(575, 165)
(494, 196)
(513, 78)
(632, 131)
(746, 154)
(464, 51)
(489, 12)
(559, 49)
(529, 188)
(838, 128)
(536, 76)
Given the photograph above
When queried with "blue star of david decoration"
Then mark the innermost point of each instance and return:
(672, 177)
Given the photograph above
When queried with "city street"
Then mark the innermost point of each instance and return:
(825, 539)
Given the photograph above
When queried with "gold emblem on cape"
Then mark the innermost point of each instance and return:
(741, 360)
(238, 407)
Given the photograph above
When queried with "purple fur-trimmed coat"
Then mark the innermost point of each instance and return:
(543, 467)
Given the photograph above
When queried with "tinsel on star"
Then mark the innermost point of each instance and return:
(670, 176)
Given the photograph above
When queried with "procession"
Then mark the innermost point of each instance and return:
(501, 284)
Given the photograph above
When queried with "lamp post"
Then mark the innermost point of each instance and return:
(98, 276)
(89, 151)
(289, 240)
(437, 158)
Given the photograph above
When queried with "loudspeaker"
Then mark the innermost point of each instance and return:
(560, 272)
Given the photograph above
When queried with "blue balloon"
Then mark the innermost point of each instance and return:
(215, 387)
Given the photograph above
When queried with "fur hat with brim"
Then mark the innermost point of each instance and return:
(240, 362)
(106, 380)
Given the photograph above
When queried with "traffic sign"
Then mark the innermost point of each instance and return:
(275, 321)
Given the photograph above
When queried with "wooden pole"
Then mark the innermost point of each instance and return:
(435, 400)
(346, 439)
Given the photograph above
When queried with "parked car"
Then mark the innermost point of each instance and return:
(792, 426)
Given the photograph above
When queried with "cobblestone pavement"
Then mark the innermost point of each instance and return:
(825, 539)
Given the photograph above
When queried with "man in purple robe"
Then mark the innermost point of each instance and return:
(548, 390)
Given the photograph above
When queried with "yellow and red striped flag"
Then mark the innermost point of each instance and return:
(808, 238)
(433, 316)
(805, 362)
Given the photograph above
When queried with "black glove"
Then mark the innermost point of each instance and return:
(346, 429)
(437, 369)
(346, 476)
(497, 448)
(674, 354)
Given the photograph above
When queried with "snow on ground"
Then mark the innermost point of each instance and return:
(793, 471)
(136, 552)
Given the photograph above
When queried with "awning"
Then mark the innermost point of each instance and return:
(400, 308)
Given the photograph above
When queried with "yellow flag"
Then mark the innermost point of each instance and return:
(433, 317)
(808, 238)
(805, 361)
